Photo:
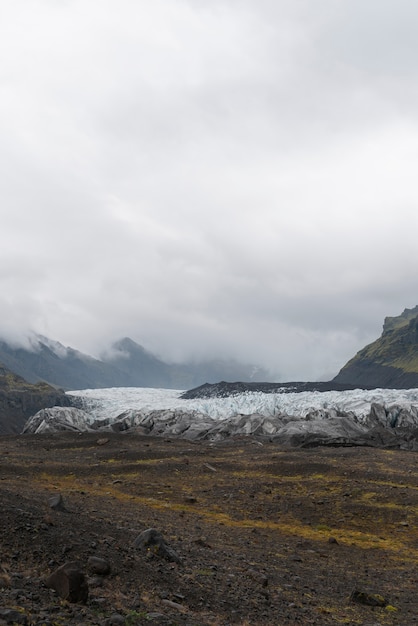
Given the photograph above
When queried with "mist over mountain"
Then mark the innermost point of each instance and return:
(143, 367)
(124, 364)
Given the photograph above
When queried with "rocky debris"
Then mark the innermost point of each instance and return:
(255, 549)
(69, 582)
(152, 541)
(11, 616)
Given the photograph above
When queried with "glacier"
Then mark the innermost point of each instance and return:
(379, 417)
(111, 402)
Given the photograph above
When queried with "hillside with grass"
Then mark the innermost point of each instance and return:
(20, 399)
(392, 360)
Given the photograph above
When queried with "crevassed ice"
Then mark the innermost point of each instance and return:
(109, 403)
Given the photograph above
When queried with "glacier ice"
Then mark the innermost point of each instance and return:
(386, 418)
(105, 403)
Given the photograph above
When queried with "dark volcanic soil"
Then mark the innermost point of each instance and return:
(265, 536)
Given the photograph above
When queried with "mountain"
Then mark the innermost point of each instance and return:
(19, 400)
(146, 370)
(138, 366)
(124, 364)
(392, 360)
(49, 361)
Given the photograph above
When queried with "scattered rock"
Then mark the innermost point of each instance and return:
(11, 616)
(95, 582)
(99, 566)
(115, 620)
(368, 599)
(258, 577)
(209, 467)
(175, 605)
(201, 541)
(57, 503)
(4, 578)
(152, 541)
(69, 582)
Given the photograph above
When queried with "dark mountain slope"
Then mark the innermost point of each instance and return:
(126, 364)
(392, 360)
(67, 368)
(19, 400)
(137, 365)
(146, 370)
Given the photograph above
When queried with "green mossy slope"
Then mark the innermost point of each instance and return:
(391, 360)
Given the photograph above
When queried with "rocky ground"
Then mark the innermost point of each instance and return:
(253, 534)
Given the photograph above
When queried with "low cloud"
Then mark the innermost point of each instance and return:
(211, 179)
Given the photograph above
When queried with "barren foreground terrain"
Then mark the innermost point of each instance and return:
(258, 535)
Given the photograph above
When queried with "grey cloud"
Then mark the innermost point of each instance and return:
(210, 178)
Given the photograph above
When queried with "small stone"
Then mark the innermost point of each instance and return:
(11, 616)
(103, 441)
(115, 620)
(201, 541)
(333, 540)
(57, 503)
(258, 577)
(175, 605)
(69, 582)
(98, 566)
(152, 541)
(368, 599)
(210, 467)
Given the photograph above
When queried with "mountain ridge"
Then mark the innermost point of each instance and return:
(125, 364)
(389, 361)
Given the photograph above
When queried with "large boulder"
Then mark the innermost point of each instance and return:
(69, 582)
(152, 542)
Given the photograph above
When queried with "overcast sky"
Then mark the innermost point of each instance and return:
(234, 178)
